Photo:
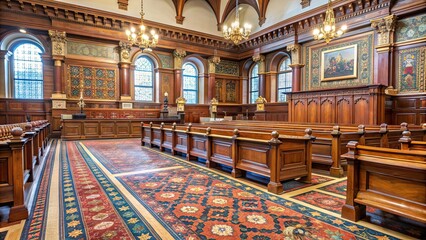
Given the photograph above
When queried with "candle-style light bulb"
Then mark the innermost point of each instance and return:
(166, 94)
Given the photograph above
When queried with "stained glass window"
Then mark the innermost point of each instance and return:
(285, 75)
(254, 84)
(28, 72)
(190, 83)
(144, 79)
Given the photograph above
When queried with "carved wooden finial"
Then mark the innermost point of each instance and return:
(150, 124)
(236, 132)
(274, 140)
(162, 125)
(336, 130)
(361, 128)
(424, 126)
(406, 137)
(308, 132)
(275, 134)
(28, 127)
(188, 128)
(404, 126)
(174, 126)
(383, 128)
(16, 133)
(208, 130)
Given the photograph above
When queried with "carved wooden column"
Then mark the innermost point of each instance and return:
(59, 41)
(178, 56)
(124, 67)
(5, 72)
(385, 32)
(296, 66)
(260, 60)
(211, 87)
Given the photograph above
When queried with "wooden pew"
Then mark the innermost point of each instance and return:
(388, 179)
(331, 140)
(408, 144)
(279, 157)
(17, 165)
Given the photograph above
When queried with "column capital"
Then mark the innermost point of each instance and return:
(178, 55)
(59, 40)
(385, 27)
(258, 58)
(295, 51)
(213, 61)
(124, 49)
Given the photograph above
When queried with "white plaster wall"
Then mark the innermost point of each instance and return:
(198, 14)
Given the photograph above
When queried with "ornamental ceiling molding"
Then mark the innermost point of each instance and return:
(101, 19)
(345, 10)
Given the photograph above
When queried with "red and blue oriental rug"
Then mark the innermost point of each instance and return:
(116, 189)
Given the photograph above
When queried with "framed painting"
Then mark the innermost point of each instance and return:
(339, 63)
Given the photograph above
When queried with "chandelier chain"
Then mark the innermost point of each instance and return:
(141, 37)
(235, 32)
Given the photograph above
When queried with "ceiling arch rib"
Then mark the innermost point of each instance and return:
(263, 5)
(179, 5)
(230, 6)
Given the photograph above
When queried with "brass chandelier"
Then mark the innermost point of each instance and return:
(328, 28)
(235, 33)
(140, 38)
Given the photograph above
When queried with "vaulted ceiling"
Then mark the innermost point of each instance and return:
(259, 6)
(206, 16)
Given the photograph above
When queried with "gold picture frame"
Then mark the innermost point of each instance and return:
(339, 63)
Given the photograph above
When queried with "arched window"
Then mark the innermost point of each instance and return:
(254, 83)
(190, 83)
(27, 71)
(144, 79)
(284, 79)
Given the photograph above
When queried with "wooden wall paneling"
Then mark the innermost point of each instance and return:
(344, 110)
(90, 129)
(409, 118)
(107, 129)
(363, 104)
(300, 111)
(361, 110)
(123, 129)
(313, 110)
(327, 109)
(409, 108)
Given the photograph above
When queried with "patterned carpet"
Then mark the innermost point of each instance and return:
(113, 189)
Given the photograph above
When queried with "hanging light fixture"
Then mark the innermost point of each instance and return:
(235, 33)
(328, 28)
(140, 38)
